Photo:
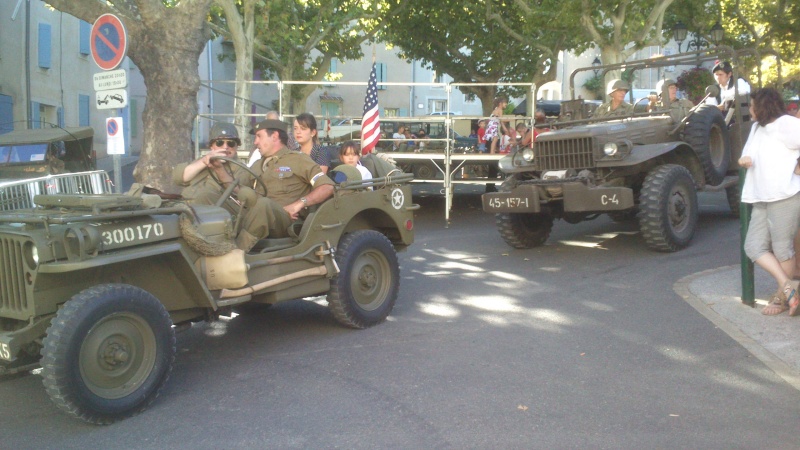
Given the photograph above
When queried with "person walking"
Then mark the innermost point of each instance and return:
(772, 187)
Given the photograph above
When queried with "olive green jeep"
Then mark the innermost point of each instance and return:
(93, 287)
(647, 165)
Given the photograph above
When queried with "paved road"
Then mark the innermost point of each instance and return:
(582, 343)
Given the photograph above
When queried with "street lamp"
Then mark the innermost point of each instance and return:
(596, 63)
(680, 32)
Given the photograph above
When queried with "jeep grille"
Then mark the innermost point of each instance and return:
(565, 154)
(12, 276)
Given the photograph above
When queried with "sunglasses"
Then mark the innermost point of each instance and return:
(229, 142)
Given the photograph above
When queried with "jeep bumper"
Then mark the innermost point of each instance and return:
(577, 197)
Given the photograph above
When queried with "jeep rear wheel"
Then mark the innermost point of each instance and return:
(708, 135)
(107, 353)
(364, 291)
(668, 208)
(524, 230)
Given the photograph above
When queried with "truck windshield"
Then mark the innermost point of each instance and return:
(10, 154)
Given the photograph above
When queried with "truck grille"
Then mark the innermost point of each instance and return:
(12, 276)
(565, 154)
(19, 194)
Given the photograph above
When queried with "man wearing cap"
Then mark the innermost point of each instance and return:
(723, 73)
(293, 182)
(616, 106)
(678, 107)
(200, 187)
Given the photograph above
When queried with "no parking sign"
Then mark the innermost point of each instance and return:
(116, 137)
(109, 41)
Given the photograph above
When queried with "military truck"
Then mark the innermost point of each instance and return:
(94, 287)
(646, 166)
(46, 151)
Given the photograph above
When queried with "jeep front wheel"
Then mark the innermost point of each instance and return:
(364, 291)
(668, 208)
(524, 230)
(107, 353)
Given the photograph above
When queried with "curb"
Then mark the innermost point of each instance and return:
(781, 368)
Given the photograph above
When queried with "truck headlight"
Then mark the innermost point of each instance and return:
(527, 154)
(610, 149)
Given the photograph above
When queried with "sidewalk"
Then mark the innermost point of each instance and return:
(775, 340)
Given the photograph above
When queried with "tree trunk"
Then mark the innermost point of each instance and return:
(165, 44)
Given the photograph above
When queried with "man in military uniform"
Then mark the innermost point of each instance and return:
(678, 108)
(199, 177)
(616, 106)
(292, 179)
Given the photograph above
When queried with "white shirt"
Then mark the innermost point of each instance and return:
(365, 173)
(774, 150)
(729, 93)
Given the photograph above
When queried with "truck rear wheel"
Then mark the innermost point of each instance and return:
(107, 353)
(364, 291)
(708, 135)
(524, 230)
(668, 208)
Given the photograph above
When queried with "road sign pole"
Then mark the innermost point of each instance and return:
(117, 174)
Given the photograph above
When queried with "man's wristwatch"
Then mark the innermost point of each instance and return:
(304, 201)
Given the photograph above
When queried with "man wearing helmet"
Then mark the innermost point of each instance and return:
(678, 107)
(199, 185)
(616, 106)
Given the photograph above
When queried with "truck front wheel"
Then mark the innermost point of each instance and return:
(524, 230)
(107, 353)
(668, 208)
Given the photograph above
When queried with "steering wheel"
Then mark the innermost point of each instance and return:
(236, 162)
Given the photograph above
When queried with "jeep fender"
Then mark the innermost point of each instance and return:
(640, 154)
(165, 270)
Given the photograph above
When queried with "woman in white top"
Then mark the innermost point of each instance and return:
(771, 186)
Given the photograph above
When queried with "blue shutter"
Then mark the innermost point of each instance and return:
(35, 116)
(333, 65)
(60, 116)
(44, 45)
(403, 112)
(133, 120)
(85, 31)
(380, 73)
(6, 114)
(83, 110)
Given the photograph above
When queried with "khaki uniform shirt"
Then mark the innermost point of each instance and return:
(678, 109)
(604, 110)
(288, 175)
(202, 185)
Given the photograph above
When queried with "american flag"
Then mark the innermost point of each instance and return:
(370, 123)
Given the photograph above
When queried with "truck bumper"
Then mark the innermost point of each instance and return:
(577, 197)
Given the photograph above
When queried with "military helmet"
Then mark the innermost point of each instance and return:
(224, 130)
(617, 84)
(663, 84)
(343, 173)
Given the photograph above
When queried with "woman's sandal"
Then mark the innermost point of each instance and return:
(777, 304)
(792, 297)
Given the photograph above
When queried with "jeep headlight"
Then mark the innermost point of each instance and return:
(527, 154)
(610, 149)
(31, 254)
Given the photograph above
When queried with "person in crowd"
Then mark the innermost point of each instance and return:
(198, 179)
(481, 136)
(616, 106)
(525, 136)
(678, 107)
(771, 186)
(421, 136)
(306, 135)
(398, 137)
(292, 179)
(495, 128)
(723, 73)
(792, 110)
(350, 154)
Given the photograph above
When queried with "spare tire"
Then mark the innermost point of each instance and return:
(708, 135)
